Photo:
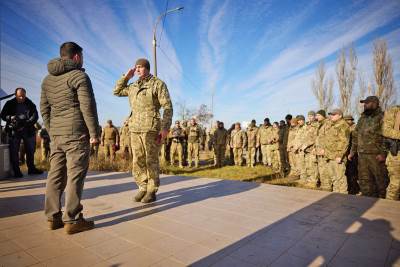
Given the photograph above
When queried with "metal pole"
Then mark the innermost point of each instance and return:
(154, 35)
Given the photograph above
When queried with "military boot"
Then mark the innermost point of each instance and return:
(149, 197)
(139, 196)
(56, 223)
(79, 226)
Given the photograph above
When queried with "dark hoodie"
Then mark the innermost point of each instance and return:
(67, 103)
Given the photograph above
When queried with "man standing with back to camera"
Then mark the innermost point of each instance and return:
(147, 96)
(69, 112)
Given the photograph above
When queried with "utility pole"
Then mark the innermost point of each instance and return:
(154, 35)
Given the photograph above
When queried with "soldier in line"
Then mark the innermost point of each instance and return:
(263, 139)
(351, 165)
(94, 147)
(368, 144)
(147, 96)
(259, 156)
(322, 135)
(274, 147)
(334, 149)
(284, 137)
(44, 144)
(185, 143)
(308, 147)
(294, 169)
(193, 133)
(220, 140)
(110, 140)
(212, 130)
(231, 156)
(298, 148)
(176, 135)
(238, 141)
(125, 141)
(252, 143)
(391, 131)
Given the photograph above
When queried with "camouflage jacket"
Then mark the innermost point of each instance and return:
(124, 136)
(322, 134)
(110, 135)
(267, 135)
(146, 97)
(299, 139)
(193, 133)
(367, 136)
(391, 121)
(292, 132)
(310, 136)
(220, 137)
(238, 139)
(337, 140)
(252, 136)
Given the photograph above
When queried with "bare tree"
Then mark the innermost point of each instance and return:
(363, 88)
(203, 114)
(183, 112)
(322, 88)
(383, 73)
(346, 76)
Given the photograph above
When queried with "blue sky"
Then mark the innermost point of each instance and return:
(258, 56)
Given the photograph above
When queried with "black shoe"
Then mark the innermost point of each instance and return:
(139, 196)
(149, 197)
(35, 171)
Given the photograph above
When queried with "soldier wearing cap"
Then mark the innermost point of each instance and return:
(351, 165)
(110, 140)
(252, 143)
(283, 142)
(147, 96)
(176, 135)
(267, 138)
(368, 144)
(308, 147)
(323, 127)
(238, 141)
(297, 147)
(391, 131)
(219, 141)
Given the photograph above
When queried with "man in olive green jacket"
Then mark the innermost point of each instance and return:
(147, 96)
(69, 112)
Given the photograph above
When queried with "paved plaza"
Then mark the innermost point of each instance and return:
(200, 222)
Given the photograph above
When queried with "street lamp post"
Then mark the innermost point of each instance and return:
(154, 35)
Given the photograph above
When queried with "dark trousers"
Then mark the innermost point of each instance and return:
(29, 144)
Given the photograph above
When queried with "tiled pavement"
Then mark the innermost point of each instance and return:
(200, 222)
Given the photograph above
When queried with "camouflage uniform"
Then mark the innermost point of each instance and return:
(44, 144)
(177, 135)
(308, 147)
(391, 129)
(146, 97)
(294, 168)
(283, 139)
(335, 146)
(368, 143)
(322, 136)
(193, 133)
(184, 142)
(125, 140)
(238, 140)
(109, 139)
(252, 144)
(299, 153)
(220, 139)
(268, 138)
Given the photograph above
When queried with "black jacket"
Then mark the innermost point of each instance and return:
(25, 126)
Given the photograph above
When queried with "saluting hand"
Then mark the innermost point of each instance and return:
(130, 73)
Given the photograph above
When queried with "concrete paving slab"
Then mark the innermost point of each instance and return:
(200, 222)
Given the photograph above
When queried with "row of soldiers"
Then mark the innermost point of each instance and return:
(341, 156)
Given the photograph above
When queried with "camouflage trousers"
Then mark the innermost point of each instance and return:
(146, 167)
(45, 149)
(219, 151)
(109, 152)
(176, 148)
(163, 153)
(69, 162)
(238, 156)
(393, 165)
(372, 176)
(311, 164)
(266, 151)
(293, 162)
(301, 166)
(271, 156)
(284, 157)
(193, 152)
(323, 172)
(336, 180)
(251, 155)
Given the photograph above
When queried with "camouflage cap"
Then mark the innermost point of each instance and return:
(143, 62)
(321, 112)
(369, 99)
(311, 113)
(109, 121)
(300, 118)
(336, 111)
(348, 118)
